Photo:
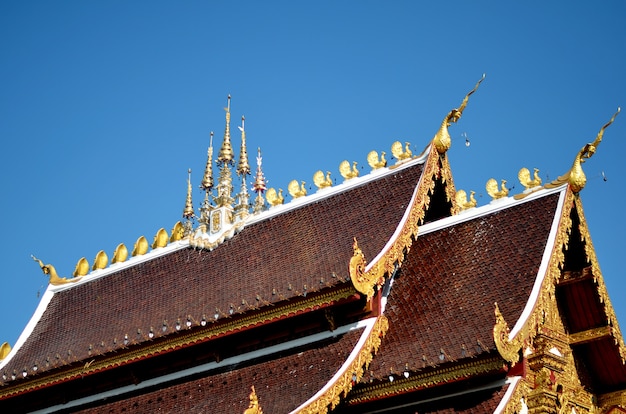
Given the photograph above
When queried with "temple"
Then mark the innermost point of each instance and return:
(382, 292)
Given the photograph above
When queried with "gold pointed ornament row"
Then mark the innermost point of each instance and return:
(101, 261)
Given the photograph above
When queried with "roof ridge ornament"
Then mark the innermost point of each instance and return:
(226, 151)
(576, 177)
(259, 185)
(50, 271)
(442, 140)
(207, 180)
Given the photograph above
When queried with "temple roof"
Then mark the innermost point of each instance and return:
(280, 257)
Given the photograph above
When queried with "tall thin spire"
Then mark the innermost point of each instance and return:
(243, 168)
(188, 213)
(259, 185)
(226, 151)
(207, 180)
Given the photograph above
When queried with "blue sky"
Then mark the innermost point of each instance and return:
(105, 105)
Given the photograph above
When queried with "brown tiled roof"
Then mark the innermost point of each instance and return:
(266, 263)
(282, 384)
(441, 305)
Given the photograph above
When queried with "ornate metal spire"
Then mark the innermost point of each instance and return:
(259, 185)
(226, 151)
(188, 211)
(207, 180)
(243, 168)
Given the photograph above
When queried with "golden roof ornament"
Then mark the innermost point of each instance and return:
(296, 189)
(576, 177)
(275, 198)
(494, 192)
(207, 180)
(120, 254)
(188, 211)
(226, 151)
(442, 140)
(524, 178)
(259, 185)
(5, 350)
(463, 202)
(374, 161)
(51, 272)
(81, 268)
(322, 181)
(101, 261)
(348, 172)
(243, 168)
(253, 407)
(400, 153)
(141, 247)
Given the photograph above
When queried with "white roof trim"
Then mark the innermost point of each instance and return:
(543, 268)
(513, 382)
(341, 371)
(366, 324)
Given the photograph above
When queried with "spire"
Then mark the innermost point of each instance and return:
(259, 185)
(207, 180)
(243, 168)
(226, 151)
(188, 211)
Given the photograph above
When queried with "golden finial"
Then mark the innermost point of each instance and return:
(296, 190)
(259, 185)
(253, 407)
(51, 272)
(226, 151)
(347, 171)
(82, 267)
(575, 177)
(188, 211)
(101, 261)
(400, 153)
(243, 168)
(322, 181)
(442, 139)
(524, 178)
(5, 349)
(374, 161)
(207, 180)
(141, 247)
(120, 254)
(463, 202)
(160, 239)
(492, 189)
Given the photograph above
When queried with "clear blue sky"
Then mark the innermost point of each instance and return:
(105, 105)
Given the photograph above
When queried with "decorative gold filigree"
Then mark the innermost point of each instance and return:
(160, 239)
(442, 140)
(101, 261)
(401, 153)
(363, 282)
(509, 350)
(178, 232)
(417, 381)
(120, 254)
(275, 198)
(141, 247)
(253, 407)
(82, 267)
(352, 373)
(51, 272)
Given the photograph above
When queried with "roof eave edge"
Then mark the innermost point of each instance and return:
(350, 372)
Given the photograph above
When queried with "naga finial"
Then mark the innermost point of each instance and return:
(442, 139)
(51, 272)
(576, 177)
